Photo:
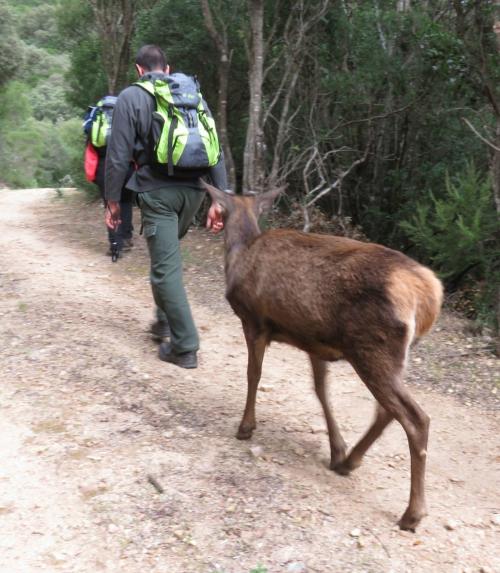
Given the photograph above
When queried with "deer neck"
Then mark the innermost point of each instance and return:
(241, 231)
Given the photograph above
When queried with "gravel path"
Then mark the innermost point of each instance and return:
(93, 425)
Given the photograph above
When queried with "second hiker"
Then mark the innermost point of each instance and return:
(97, 128)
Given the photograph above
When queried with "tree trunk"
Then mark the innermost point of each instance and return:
(223, 74)
(495, 173)
(495, 169)
(403, 5)
(115, 21)
(297, 41)
(496, 155)
(253, 167)
(220, 41)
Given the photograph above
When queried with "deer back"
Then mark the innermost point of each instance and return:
(311, 289)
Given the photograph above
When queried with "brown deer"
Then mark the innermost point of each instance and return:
(334, 298)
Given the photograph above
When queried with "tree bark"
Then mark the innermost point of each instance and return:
(296, 40)
(221, 43)
(496, 154)
(253, 167)
(115, 20)
(495, 168)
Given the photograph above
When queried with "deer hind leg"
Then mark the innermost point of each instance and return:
(415, 423)
(396, 402)
(355, 457)
(337, 444)
(256, 345)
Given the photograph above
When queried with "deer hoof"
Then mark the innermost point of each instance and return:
(410, 520)
(344, 465)
(341, 468)
(244, 433)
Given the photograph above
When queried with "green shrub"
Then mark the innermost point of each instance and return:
(19, 139)
(36, 153)
(458, 235)
(11, 48)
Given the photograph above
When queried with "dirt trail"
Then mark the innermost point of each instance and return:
(87, 413)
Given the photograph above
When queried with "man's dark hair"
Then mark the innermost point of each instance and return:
(151, 58)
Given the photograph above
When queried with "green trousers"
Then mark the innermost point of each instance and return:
(166, 216)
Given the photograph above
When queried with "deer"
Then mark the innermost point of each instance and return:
(334, 298)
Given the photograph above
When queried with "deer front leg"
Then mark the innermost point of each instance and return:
(256, 345)
(337, 444)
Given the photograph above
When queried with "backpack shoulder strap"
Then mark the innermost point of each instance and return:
(146, 85)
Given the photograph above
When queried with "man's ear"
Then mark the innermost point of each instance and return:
(223, 198)
(264, 202)
(139, 70)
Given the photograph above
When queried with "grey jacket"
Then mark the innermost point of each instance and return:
(129, 139)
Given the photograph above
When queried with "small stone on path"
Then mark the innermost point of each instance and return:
(257, 451)
(296, 567)
(451, 525)
(496, 519)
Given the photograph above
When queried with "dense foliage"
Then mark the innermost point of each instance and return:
(39, 128)
(371, 111)
(458, 233)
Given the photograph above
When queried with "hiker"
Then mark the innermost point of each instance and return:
(162, 123)
(97, 127)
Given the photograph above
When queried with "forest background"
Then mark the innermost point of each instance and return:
(381, 117)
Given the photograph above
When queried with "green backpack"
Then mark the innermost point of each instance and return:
(100, 124)
(183, 137)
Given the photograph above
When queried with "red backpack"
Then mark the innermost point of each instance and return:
(90, 162)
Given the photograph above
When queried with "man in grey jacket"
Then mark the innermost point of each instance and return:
(168, 205)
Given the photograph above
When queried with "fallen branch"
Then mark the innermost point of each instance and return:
(384, 546)
(155, 483)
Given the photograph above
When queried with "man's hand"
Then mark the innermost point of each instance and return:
(112, 216)
(214, 218)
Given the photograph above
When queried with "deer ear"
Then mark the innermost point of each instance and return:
(265, 201)
(223, 198)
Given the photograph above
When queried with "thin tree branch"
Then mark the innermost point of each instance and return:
(483, 139)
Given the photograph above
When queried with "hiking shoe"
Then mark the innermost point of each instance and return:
(160, 330)
(127, 244)
(184, 360)
(118, 254)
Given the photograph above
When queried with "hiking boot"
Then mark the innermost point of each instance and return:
(127, 244)
(118, 253)
(160, 330)
(184, 360)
